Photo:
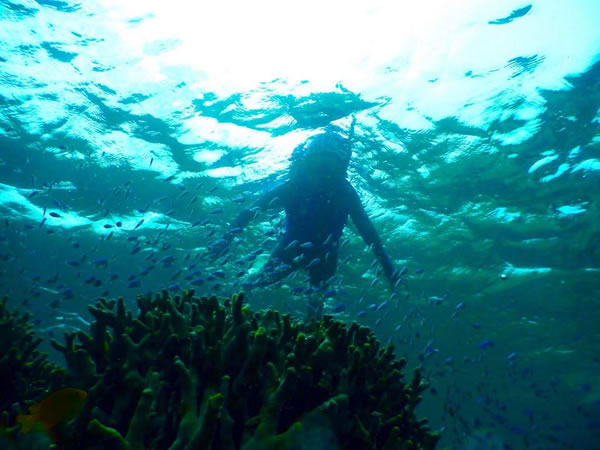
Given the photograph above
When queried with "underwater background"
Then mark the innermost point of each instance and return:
(132, 133)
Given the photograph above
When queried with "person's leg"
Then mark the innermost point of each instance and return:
(319, 274)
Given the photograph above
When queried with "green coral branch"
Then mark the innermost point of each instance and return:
(191, 372)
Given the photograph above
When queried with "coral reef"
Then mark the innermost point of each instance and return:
(199, 373)
(25, 372)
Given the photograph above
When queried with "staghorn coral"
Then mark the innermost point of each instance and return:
(24, 371)
(191, 373)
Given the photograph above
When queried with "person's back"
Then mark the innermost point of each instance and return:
(314, 214)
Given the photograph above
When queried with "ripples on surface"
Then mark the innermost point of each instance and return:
(476, 156)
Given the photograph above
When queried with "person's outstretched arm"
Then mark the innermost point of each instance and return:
(369, 234)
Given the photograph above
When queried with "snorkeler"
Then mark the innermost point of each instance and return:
(317, 199)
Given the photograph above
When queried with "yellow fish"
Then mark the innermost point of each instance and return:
(59, 407)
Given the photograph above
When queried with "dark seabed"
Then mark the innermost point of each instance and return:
(131, 136)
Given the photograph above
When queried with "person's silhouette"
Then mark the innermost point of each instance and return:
(317, 199)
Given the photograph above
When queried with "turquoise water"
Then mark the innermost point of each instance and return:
(477, 157)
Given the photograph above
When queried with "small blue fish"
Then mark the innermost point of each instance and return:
(291, 244)
(361, 314)
(167, 259)
(177, 274)
(381, 306)
(419, 270)
(328, 240)
(306, 245)
(134, 284)
(298, 290)
(329, 293)
(107, 225)
(174, 287)
(219, 273)
(217, 211)
(239, 199)
(146, 271)
(100, 262)
(436, 300)
(486, 344)
(339, 308)
(54, 214)
(313, 263)
(198, 282)
(400, 272)
(331, 279)
(139, 224)
(374, 282)
(373, 306)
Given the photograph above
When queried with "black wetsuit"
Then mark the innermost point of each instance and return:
(317, 216)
